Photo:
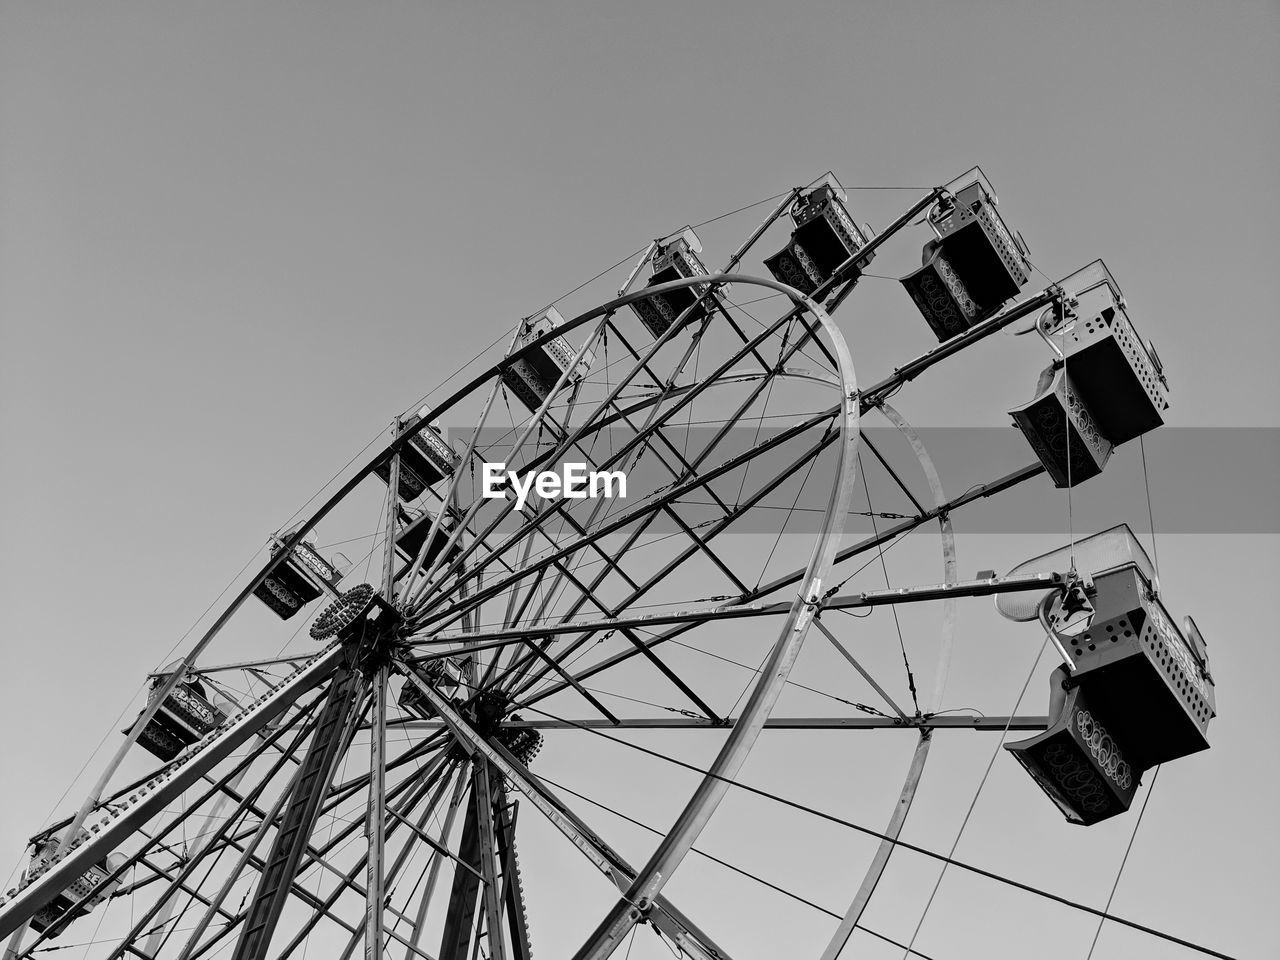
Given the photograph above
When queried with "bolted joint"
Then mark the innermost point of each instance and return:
(812, 606)
(639, 910)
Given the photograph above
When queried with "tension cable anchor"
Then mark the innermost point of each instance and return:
(1074, 597)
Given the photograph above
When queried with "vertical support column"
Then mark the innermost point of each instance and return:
(309, 789)
(512, 886)
(375, 826)
(489, 863)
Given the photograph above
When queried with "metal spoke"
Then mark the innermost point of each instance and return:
(688, 486)
(786, 580)
(840, 648)
(657, 872)
(989, 586)
(923, 722)
(553, 455)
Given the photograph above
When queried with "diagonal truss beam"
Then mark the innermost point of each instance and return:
(210, 845)
(868, 398)
(157, 793)
(309, 789)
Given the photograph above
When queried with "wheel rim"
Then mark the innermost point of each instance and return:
(527, 577)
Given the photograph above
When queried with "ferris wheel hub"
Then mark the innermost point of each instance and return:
(359, 614)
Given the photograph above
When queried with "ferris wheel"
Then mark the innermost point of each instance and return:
(343, 759)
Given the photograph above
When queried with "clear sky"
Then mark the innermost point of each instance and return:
(237, 238)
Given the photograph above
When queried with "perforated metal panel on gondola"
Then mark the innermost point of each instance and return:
(675, 258)
(972, 268)
(1116, 372)
(1136, 691)
(1146, 675)
(53, 918)
(1109, 386)
(824, 238)
(534, 375)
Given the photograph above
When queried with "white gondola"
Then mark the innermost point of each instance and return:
(1105, 389)
(1135, 690)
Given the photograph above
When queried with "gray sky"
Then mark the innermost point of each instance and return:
(237, 238)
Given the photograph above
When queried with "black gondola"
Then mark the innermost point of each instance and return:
(675, 258)
(425, 460)
(189, 712)
(302, 577)
(973, 266)
(824, 238)
(533, 376)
